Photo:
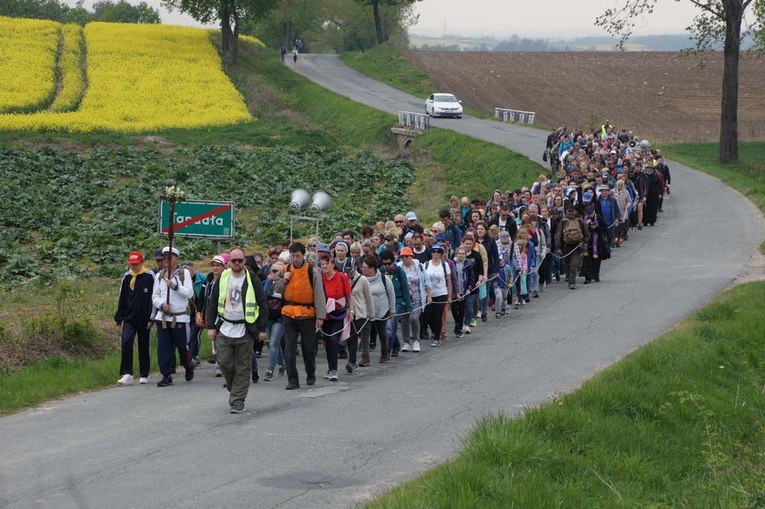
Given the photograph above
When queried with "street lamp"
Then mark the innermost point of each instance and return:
(300, 199)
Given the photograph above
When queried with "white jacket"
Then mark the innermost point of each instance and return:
(179, 296)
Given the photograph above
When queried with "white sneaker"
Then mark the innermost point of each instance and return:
(466, 329)
(126, 380)
(143, 380)
(406, 348)
(416, 345)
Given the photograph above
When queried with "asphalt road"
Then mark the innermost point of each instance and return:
(337, 444)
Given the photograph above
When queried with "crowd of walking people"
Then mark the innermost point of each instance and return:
(390, 287)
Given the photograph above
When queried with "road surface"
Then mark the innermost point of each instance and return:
(337, 444)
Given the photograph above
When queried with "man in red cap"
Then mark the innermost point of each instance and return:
(134, 310)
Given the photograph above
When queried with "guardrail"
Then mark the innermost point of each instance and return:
(507, 115)
(414, 120)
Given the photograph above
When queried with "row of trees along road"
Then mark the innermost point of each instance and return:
(322, 25)
(103, 10)
(725, 22)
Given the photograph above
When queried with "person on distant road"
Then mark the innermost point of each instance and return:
(134, 310)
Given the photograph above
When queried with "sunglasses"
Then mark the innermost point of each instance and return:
(237, 260)
(311, 245)
(387, 264)
(398, 222)
(274, 272)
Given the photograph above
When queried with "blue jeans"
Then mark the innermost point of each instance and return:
(392, 326)
(275, 330)
(469, 300)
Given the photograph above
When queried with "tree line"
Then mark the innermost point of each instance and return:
(104, 10)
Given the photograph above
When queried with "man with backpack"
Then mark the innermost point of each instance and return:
(173, 289)
(571, 238)
(304, 303)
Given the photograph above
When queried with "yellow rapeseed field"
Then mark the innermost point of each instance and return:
(70, 68)
(145, 78)
(27, 63)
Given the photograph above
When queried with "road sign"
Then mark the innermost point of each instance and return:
(198, 219)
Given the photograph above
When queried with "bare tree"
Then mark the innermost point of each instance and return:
(726, 21)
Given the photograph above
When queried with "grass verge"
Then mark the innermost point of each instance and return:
(746, 176)
(678, 423)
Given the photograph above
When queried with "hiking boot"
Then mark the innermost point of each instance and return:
(292, 386)
(310, 379)
(237, 408)
(190, 373)
(269, 376)
(165, 382)
(416, 346)
(126, 380)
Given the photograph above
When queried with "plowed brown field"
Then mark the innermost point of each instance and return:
(661, 96)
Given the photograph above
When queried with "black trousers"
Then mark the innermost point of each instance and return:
(168, 340)
(434, 315)
(306, 329)
(458, 313)
(129, 333)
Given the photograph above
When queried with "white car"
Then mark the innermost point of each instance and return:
(443, 105)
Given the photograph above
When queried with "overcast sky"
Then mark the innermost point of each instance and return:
(541, 18)
(503, 18)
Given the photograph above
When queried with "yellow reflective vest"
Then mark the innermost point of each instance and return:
(251, 309)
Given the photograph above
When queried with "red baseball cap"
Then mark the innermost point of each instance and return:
(135, 257)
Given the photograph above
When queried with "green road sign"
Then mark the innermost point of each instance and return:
(198, 219)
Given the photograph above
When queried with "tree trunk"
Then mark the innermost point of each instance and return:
(288, 35)
(378, 25)
(225, 25)
(729, 109)
(235, 38)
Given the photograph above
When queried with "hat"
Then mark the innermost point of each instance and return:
(158, 254)
(411, 216)
(186, 264)
(440, 238)
(322, 248)
(437, 247)
(407, 251)
(589, 209)
(135, 257)
(226, 258)
(166, 250)
(604, 187)
(218, 259)
(612, 152)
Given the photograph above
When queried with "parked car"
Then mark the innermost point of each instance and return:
(443, 105)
